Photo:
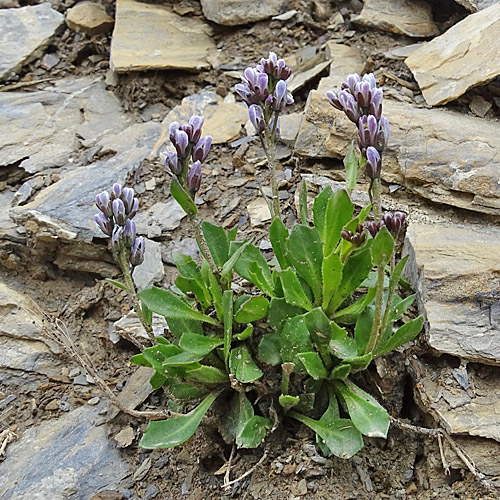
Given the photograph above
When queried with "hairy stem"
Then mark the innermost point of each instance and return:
(202, 244)
(376, 199)
(270, 150)
(377, 329)
(131, 290)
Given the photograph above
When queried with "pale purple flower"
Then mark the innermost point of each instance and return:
(383, 135)
(196, 123)
(172, 163)
(255, 115)
(103, 203)
(116, 238)
(194, 177)
(129, 233)
(137, 252)
(373, 163)
(116, 191)
(104, 223)
(202, 148)
(119, 212)
(181, 143)
(279, 96)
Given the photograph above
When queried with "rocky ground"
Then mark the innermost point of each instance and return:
(86, 94)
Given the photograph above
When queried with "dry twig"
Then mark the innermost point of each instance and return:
(441, 433)
(56, 331)
(6, 437)
(247, 473)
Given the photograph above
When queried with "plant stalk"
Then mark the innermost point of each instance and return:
(376, 326)
(202, 244)
(129, 283)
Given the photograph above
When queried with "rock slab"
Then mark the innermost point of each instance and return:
(150, 36)
(430, 150)
(463, 57)
(24, 34)
(90, 18)
(403, 17)
(453, 270)
(61, 459)
(475, 5)
(234, 12)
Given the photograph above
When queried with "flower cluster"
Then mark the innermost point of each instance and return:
(264, 89)
(361, 101)
(116, 211)
(189, 145)
(392, 221)
(356, 238)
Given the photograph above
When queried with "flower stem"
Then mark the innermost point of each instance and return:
(270, 150)
(202, 244)
(376, 325)
(131, 290)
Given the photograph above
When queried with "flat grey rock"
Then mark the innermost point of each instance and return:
(463, 57)
(403, 17)
(65, 209)
(151, 270)
(234, 12)
(64, 459)
(159, 219)
(453, 271)
(430, 150)
(24, 34)
(44, 129)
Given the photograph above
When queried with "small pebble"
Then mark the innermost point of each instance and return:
(93, 401)
(74, 372)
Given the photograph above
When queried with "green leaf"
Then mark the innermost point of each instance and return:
(217, 242)
(400, 307)
(246, 333)
(178, 326)
(250, 259)
(339, 211)
(382, 247)
(254, 432)
(338, 435)
(206, 375)
(305, 253)
(182, 359)
(188, 269)
(269, 349)
(175, 431)
(357, 307)
(293, 291)
(229, 265)
(369, 417)
(234, 421)
(183, 198)
(293, 339)
(330, 414)
(403, 335)
(319, 211)
(227, 308)
(167, 304)
(332, 275)
(313, 364)
(306, 402)
(359, 363)
(278, 234)
(351, 169)
(340, 372)
(147, 314)
(280, 311)
(252, 310)
(157, 354)
(199, 344)
(140, 360)
(363, 328)
(303, 202)
(287, 401)
(356, 269)
(157, 380)
(181, 390)
(116, 283)
(243, 366)
(216, 293)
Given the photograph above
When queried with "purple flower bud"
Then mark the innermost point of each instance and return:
(362, 94)
(256, 118)
(375, 107)
(133, 210)
(277, 133)
(202, 148)
(349, 105)
(129, 234)
(197, 123)
(373, 163)
(119, 212)
(181, 142)
(346, 235)
(351, 82)
(103, 203)
(137, 252)
(116, 238)
(116, 191)
(333, 97)
(246, 94)
(368, 128)
(383, 134)
(394, 221)
(127, 198)
(186, 127)
(172, 164)
(172, 129)
(194, 177)
(279, 96)
(104, 223)
(370, 79)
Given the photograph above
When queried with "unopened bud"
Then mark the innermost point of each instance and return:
(194, 177)
(129, 233)
(373, 163)
(137, 252)
(119, 212)
(104, 223)
(172, 163)
(103, 203)
(202, 148)
(256, 118)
